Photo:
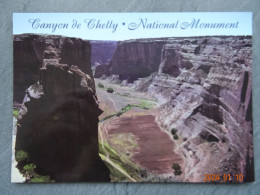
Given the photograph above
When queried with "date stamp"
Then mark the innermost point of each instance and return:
(225, 177)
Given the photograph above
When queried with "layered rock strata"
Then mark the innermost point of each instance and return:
(136, 58)
(204, 86)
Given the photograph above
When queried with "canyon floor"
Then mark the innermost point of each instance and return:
(132, 144)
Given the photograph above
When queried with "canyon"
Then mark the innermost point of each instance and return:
(179, 108)
(204, 88)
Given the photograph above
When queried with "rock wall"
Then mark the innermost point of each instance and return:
(136, 58)
(58, 120)
(102, 51)
(30, 50)
(204, 86)
(102, 69)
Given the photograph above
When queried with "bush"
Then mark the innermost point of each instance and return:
(32, 177)
(110, 90)
(29, 167)
(21, 156)
(177, 169)
(175, 137)
(174, 131)
(101, 85)
(128, 107)
(41, 179)
(28, 170)
(15, 113)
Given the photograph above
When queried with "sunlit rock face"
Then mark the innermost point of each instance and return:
(204, 85)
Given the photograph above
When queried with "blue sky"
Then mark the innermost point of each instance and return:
(21, 24)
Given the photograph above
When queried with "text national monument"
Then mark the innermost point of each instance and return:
(132, 97)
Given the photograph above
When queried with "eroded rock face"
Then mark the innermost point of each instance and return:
(30, 50)
(102, 51)
(136, 58)
(204, 85)
(58, 121)
(102, 69)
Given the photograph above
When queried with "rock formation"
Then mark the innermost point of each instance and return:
(58, 121)
(102, 69)
(102, 51)
(30, 50)
(204, 86)
(136, 58)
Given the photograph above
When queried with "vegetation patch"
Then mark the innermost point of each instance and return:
(124, 142)
(144, 105)
(105, 148)
(21, 156)
(177, 169)
(41, 179)
(15, 113)
(175, 136)
(101, 85)
(28, 169)
(173, 131)
(115, 175)
(125, 165)
(110, 90)
(32, 177)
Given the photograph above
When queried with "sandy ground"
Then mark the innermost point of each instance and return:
(155, 150)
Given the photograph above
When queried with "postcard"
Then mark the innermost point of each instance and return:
(132, 97)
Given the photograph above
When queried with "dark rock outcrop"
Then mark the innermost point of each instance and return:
(30, 50)
(58, 121)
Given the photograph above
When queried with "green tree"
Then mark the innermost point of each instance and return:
(110, 90)
(21, 156)
(101, 85)
(177, 169)
(173, 131)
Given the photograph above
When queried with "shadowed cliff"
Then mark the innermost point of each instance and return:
(58, 119)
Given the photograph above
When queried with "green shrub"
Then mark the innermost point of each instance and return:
(175, 137)
(118, 114)
(21, 156)
(177, 169)
(29, 167)
(15, 113)
(101, 85)
(110, 90)
(41, 179)
(128, 107)
(173, 131)
(28, 170)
